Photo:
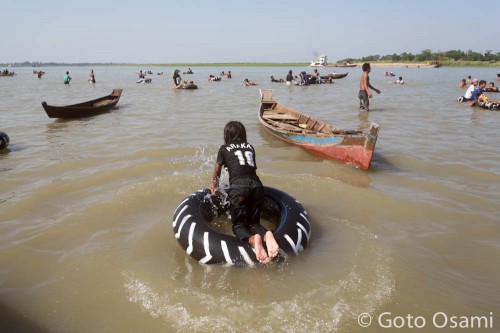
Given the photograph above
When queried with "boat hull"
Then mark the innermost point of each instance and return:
(355, 155)
(311, 65)
(347, 66)
(85, 109)
(318, 137)
(334, 76)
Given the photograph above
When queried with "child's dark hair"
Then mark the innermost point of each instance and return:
(366, 66)
(234, 131)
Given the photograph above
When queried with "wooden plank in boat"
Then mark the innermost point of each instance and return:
(104, 102)
(285, 126)
(279, 116)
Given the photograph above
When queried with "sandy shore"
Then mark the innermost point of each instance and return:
(396, 64)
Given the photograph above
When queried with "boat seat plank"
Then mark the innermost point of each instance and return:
(104, 102)
(274, 108)
(285, 126)
(279, 116)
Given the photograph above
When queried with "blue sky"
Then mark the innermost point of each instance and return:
(164, 31)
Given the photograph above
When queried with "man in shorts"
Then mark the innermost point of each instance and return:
(364, 91)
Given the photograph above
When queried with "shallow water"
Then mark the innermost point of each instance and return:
(86, 205)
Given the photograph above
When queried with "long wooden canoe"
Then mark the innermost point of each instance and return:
(85, 109)
(346, 65)
(347, 146)
(335, 76)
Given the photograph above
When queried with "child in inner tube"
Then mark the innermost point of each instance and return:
(246, 193)
(477, 92)
(483, 101)
(247, 82)
(491, 87)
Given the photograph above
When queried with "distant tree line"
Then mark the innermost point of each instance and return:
(428, 56)
(424, 56)
(47, 64)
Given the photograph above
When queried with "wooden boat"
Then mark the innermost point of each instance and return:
(85, 109)
(7, 74)
(338, 75)
(347, 146)
(346, 64)
(334, 76)
(436, 63)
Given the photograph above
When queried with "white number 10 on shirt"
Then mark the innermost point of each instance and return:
(248, 157)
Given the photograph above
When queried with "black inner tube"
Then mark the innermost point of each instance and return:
(215, 212)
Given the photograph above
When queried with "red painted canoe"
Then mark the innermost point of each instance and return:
(346, 146)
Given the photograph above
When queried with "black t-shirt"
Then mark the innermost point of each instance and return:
(177, 79)
(239, 158)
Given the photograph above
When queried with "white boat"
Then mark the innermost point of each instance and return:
(320, 61)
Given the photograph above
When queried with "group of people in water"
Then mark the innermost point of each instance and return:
(227, 75)
(304, 79)
(67, 78)
(475, 93)
(39, 73)
(180, 84)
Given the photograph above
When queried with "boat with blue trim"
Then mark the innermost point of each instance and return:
(347, 146)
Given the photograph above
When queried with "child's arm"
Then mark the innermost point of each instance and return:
(216, 177)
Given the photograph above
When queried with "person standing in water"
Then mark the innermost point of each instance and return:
(177, 79)
(92, 77)
(364, 88)
(67, 78)
(246, 193)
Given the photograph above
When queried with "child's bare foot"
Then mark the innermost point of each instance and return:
(260, 252)
(271, 244)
